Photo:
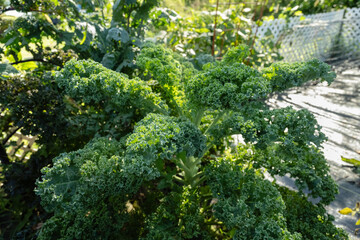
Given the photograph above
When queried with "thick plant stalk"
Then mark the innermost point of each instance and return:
(257, 26)
(218, 117)
(214, 35)
(191, 174)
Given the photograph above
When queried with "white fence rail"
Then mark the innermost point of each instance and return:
(315, 36)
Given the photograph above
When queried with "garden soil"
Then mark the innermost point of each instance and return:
(337, 110)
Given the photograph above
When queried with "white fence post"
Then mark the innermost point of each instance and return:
(350, 34)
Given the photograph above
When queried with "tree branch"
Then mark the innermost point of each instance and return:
(214, 34)
(257, 25)
(35, 60)
(10, 135)
(29, 60)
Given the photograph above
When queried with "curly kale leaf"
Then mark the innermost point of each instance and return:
(264, 127)
(167, 71)
(93, 84)
(286, 75)
(89, 189)
(109, 220)
(312, 221)
(223, 87)
(290, 142)
(102, 102)
(86, 177)
(234, 123)
(162, 224)
(306, 165)
(286, 141)
(236, 54)
(160, 63)
(249, 206)
(201, 60)
(178, 217)
(159, 137)
(288, 126)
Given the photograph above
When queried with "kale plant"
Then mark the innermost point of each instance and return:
(161, 164)
(42, 38)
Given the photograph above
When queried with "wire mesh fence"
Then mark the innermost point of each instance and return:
(333, 37)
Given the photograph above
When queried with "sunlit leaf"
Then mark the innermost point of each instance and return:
(357, 222)
(346, 211)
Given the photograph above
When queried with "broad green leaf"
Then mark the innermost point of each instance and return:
(118, 34)
(108, 60)
(128, 2)
(352, 161)
(6, 68)
(125, 63)
(11, 40)
(26, 66)
(56, 2)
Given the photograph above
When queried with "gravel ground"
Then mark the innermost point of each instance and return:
(337, 109)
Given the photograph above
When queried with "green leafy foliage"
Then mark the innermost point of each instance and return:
(110, 35)
(240, 204)
(290, 140)
(211, 33)
(110, 99)
(166, 72)
(170, 174)
(315, 222)
(43, 37)
(313, 6)
(157, 138)
(183, 205)
(354, 162)
(227, 85)
(77, 185)
(285, 75)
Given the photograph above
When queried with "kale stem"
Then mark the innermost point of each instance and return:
(178, 109)
(179, 179)
(198, 116)
(218, 117)
(160, 110)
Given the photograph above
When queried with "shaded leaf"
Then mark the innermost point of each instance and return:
(108, 60)
(6, 68)
(117, 34)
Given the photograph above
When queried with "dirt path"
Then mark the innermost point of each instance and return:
(337, 109)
